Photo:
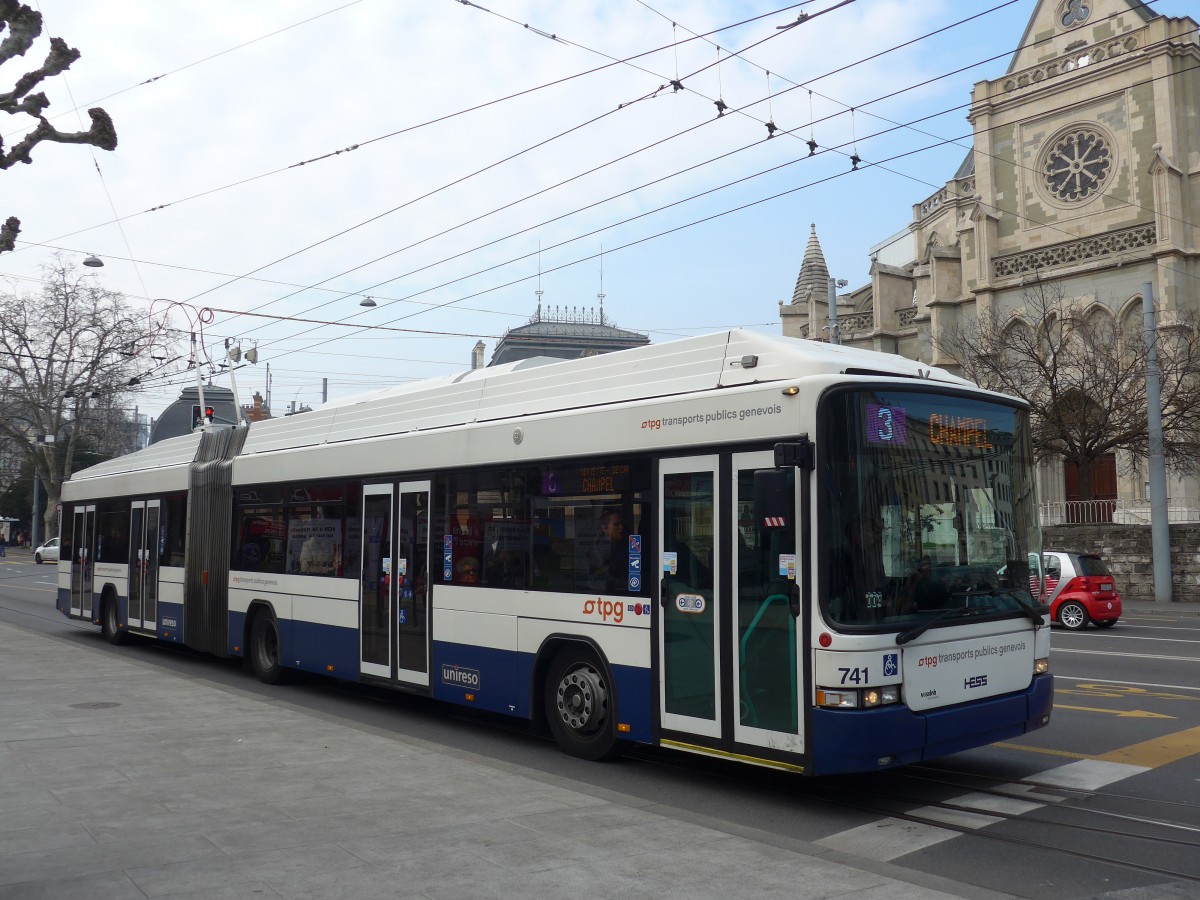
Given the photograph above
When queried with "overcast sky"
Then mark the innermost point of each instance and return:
(480, 137)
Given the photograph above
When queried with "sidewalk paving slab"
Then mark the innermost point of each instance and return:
(122, 780)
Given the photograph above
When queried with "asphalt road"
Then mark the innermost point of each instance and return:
(1103, 800)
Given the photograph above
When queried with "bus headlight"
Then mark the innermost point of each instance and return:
(861, 698)
(881, 696)
(1041, 666)
(838, 699)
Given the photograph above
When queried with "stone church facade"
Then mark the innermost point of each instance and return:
(1084, 174)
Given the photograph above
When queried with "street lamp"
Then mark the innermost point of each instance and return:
(233, 352)
(93, 261)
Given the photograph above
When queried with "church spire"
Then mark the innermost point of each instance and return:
(814, 273)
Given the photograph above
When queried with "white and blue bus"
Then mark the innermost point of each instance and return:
(766, 549)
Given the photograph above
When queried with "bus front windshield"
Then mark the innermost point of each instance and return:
(928, 508)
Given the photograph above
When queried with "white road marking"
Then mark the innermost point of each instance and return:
(1008, 806)
(1135, 637)
(1088, 774)
(1057, 650)
(890, 838)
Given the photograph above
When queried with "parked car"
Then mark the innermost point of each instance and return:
(1080, 589)
(48, 552)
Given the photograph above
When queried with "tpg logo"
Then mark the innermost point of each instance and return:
(975, 681)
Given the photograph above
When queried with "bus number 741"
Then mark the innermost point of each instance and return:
(855, 676)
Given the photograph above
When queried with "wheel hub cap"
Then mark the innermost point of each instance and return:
(582, 700)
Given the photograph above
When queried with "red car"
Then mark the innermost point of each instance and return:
(1080, 589)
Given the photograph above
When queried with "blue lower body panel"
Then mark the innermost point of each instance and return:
(855, 740)
(309, 647)
(170, 621)
(502, 681)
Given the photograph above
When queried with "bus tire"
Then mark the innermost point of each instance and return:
(110, 626)
(579, 704)
(264, 650)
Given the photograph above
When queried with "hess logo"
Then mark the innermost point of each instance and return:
(975, 681)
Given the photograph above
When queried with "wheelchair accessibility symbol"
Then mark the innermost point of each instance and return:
(891, 664)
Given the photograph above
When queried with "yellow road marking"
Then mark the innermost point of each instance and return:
(1158, 751)
(1067, 753)
(1121, 713)
(1116, 691)
(1150, 754)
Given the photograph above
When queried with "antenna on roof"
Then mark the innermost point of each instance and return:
(539, 287)
(600, 296)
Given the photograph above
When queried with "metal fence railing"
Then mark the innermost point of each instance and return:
(1111, 512)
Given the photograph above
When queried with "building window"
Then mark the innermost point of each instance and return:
(1076, 164)
(1072, 13)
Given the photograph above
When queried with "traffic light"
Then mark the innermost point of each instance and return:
(196, 420)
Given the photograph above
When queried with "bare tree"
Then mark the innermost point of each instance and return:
(68, 355)
(1083, 372)
(24, 26)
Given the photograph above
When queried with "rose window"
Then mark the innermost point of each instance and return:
(1077, 165)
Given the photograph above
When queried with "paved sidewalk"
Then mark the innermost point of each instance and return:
(121, 780)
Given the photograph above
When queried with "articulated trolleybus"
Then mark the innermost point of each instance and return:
(759, 548)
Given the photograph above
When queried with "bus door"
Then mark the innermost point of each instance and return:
(688, 612)
(375, 581)
(143, 564)
(412, 584)
(83, 537)
(394, 588)
(767, 632)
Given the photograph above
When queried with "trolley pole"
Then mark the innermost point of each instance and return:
(1160, 533)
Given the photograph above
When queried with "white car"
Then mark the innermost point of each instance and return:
(48, 552)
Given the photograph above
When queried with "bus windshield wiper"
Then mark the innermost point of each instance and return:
(913, 633)
(1034, 613)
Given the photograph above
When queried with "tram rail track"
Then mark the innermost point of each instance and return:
(903, 806)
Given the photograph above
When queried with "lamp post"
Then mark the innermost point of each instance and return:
(34, 530)
(1160, 533)
(35, 527)
(835, 331)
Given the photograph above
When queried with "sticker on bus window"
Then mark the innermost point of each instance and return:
(690, 603)
(671, 562)
(402, 567)
(787, 566)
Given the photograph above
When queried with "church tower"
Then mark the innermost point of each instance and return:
(1083, 179)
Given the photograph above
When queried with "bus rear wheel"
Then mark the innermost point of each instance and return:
(110, 626)
(264, 650)
(579, 705)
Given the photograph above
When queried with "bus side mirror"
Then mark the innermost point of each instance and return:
(774, 499)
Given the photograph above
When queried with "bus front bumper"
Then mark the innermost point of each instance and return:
(866, 740)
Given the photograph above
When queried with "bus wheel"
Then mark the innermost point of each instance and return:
(579, 705)
(109, 626)
(264, 650)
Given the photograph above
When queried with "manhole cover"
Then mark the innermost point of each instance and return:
(97, 704)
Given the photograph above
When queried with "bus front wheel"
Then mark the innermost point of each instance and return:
(264, 649)
(579, 704)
